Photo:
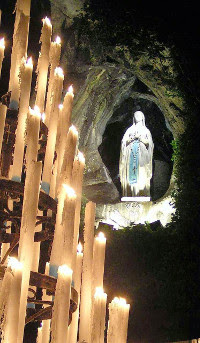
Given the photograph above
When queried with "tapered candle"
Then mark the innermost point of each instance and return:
(73, 329)
(12, 317)
(51, 140)
(98, 260)
(64, 124)
(46, 323)
(60, 315)
(4, 296)
(98, 317)
(25, 89)
(69, 155)
(55, 51)
(2, 48)
(86, 288)
(43, 63)
(19, 49)
(33, 129)
(118, 321)
(39, 335)
(27, 230)
(68, 225)
(3, 110)
(77, 182)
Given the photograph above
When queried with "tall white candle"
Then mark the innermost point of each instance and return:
(3, 110)
(2, 48)
(11, 325)
(118, 321)
(33, 129)
(43, 63)
(98, 317)
(73, 329)
(39, 335)
(51, 140)
(4, 296)
(86, 288)
(60, 315)
(55, 51)
(19, 49)
(25, 89)
(98, 260)
(68, 225)
(27, 230)
(46, 323)
(77, 182)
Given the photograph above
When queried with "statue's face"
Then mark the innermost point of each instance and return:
(138, 116)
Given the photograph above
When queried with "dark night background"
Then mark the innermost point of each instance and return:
(150, 256)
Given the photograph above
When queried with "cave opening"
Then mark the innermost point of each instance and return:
(121, 119)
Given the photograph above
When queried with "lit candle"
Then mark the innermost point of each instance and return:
(39, 335)
(55, 51)
(51, 140)
(12, 318)
(6, 246)
(98, 317)
(27, 231)
(46, 323)
(2, 48)
(25, 87)
(73, 329)
(69, 155)
(43, 63)
(64, 124)
(68, 225)
(3, 110)
(86, 288)
(60, 314)
(33, 129)
(98, 260)
(4, 296)
(118, 321)
(19, 49)
(77, 182)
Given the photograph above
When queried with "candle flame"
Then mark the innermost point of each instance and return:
(29, 62)
(60, 107)
(99, 292)
(65, 270)
(59, 72)
(47, 268)
(47, 21)
(81, 157)
(57, 40)
(101, 237)
(69, 191)
(43, 117)
(14, 263)
(2, 43)
(79, 248)
(74, 130)
(37, 111)
(70, 90)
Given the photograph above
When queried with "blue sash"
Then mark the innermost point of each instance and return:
(134, 162)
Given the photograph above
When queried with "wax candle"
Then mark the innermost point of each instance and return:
(19, 49)
(6, 246)
(98, 260)
(60, 315)
(25, 89)
(2, 48)
(55, 51)
(98, 317)
(46, 323)
(12, 317)
(77, 182)
(33, 129)
(73, 329)
(43, 63)
(68, 225)
(118, 321)
(86, 288)
(39, 335)
(51, 140)
(27, 231)
(4, 296)
(3, 110)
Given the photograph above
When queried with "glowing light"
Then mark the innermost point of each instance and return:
(13, 263)
(79, 248)
(81, 157)
(101, 237)
(65, 270)
(37, 111)
(59, 72)
(70, 89)
(2, 43)
(69, 191)
(60, 107)
(57, 40)
(29, 62)
(47, 21)
(74, 130)
(43, 117)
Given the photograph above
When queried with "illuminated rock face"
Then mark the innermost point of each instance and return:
(135, 167)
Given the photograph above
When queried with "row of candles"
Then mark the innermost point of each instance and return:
(62, 180)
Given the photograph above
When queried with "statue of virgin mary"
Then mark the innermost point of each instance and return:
(135, 166)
